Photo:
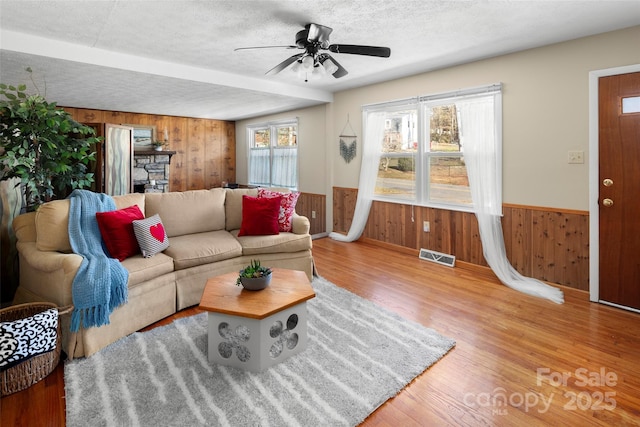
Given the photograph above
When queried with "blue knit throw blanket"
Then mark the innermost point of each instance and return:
(100, 284)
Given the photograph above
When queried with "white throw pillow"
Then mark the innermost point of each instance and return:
(151, 235)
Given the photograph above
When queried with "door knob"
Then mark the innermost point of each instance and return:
(607, 202)
(607, 182)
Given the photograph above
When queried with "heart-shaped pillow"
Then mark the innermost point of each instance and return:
(157, 231)
(151, 235)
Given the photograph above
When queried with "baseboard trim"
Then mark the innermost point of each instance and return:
(622, 307)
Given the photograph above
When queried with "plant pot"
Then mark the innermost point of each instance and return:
(256, 283)
(157, 148)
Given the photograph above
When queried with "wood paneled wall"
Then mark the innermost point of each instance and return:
(205, 148)
(205, 154)
(547, 244)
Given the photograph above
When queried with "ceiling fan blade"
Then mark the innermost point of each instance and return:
(264, 47)
(383, 52)
(341, 71)
(284, 64)
(318, 33)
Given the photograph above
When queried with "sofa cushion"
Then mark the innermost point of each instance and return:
(188, 212)
(52, 221)
(143, 269)
(202, 248)
(151, 235)
(129, 200)
(280, 243)
(260, 216)
(116, 229)
(233, 206)
(287, 206)
(52, 226)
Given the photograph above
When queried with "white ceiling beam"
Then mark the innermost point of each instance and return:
(29, 44)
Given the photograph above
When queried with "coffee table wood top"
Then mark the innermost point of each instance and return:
(287, 288)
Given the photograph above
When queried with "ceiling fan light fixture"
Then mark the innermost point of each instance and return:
(329, 66)
(296, 66)
(307, 63)
(318, 72)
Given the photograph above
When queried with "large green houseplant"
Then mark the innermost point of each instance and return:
(43, 147)
(44, 155)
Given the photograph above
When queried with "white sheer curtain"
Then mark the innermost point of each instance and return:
(285, 167)
(260, 166)
(273, 154)
(478, 130)
(283, 173)
(372, 144)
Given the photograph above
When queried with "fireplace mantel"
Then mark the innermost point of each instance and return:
(154, 153)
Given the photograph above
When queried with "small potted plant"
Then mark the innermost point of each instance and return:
(254, 276)
(157, 145)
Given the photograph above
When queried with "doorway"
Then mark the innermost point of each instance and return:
(614, 186)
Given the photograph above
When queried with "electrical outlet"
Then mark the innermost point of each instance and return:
(425, 226)
(313, 214)
(576, 157)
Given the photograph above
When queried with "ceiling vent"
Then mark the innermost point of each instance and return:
(438, 257)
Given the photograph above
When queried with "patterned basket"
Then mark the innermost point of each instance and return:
(30, 371)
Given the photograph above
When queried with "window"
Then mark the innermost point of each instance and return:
(448, 180)
(397, 171)
(273, 154)
(631, 105)
(422, 154)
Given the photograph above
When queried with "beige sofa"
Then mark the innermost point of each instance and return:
(202, 227)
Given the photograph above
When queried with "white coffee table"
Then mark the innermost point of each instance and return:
(254, 330)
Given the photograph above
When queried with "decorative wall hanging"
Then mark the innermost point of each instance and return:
(348, 142)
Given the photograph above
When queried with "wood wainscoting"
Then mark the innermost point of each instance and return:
(205, 148)
(544, 243)
(313, 206)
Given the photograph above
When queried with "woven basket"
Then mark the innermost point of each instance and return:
(32, 370)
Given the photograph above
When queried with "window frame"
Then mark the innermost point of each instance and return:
(424, 154)
(273, 127)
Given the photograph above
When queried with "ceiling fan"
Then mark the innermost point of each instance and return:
(314, 64)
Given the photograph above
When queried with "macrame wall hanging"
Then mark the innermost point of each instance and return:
(348, 142)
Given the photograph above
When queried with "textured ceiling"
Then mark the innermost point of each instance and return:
(177, 57)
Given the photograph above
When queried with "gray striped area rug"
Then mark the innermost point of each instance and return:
(358, 355)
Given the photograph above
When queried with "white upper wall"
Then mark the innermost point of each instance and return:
(545, 115)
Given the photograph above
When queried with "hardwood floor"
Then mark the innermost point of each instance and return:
(518, 361)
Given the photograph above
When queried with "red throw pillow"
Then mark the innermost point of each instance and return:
(287, 206)
(259, 216)
(116, 228)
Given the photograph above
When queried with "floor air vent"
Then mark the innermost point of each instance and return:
(437, 257)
